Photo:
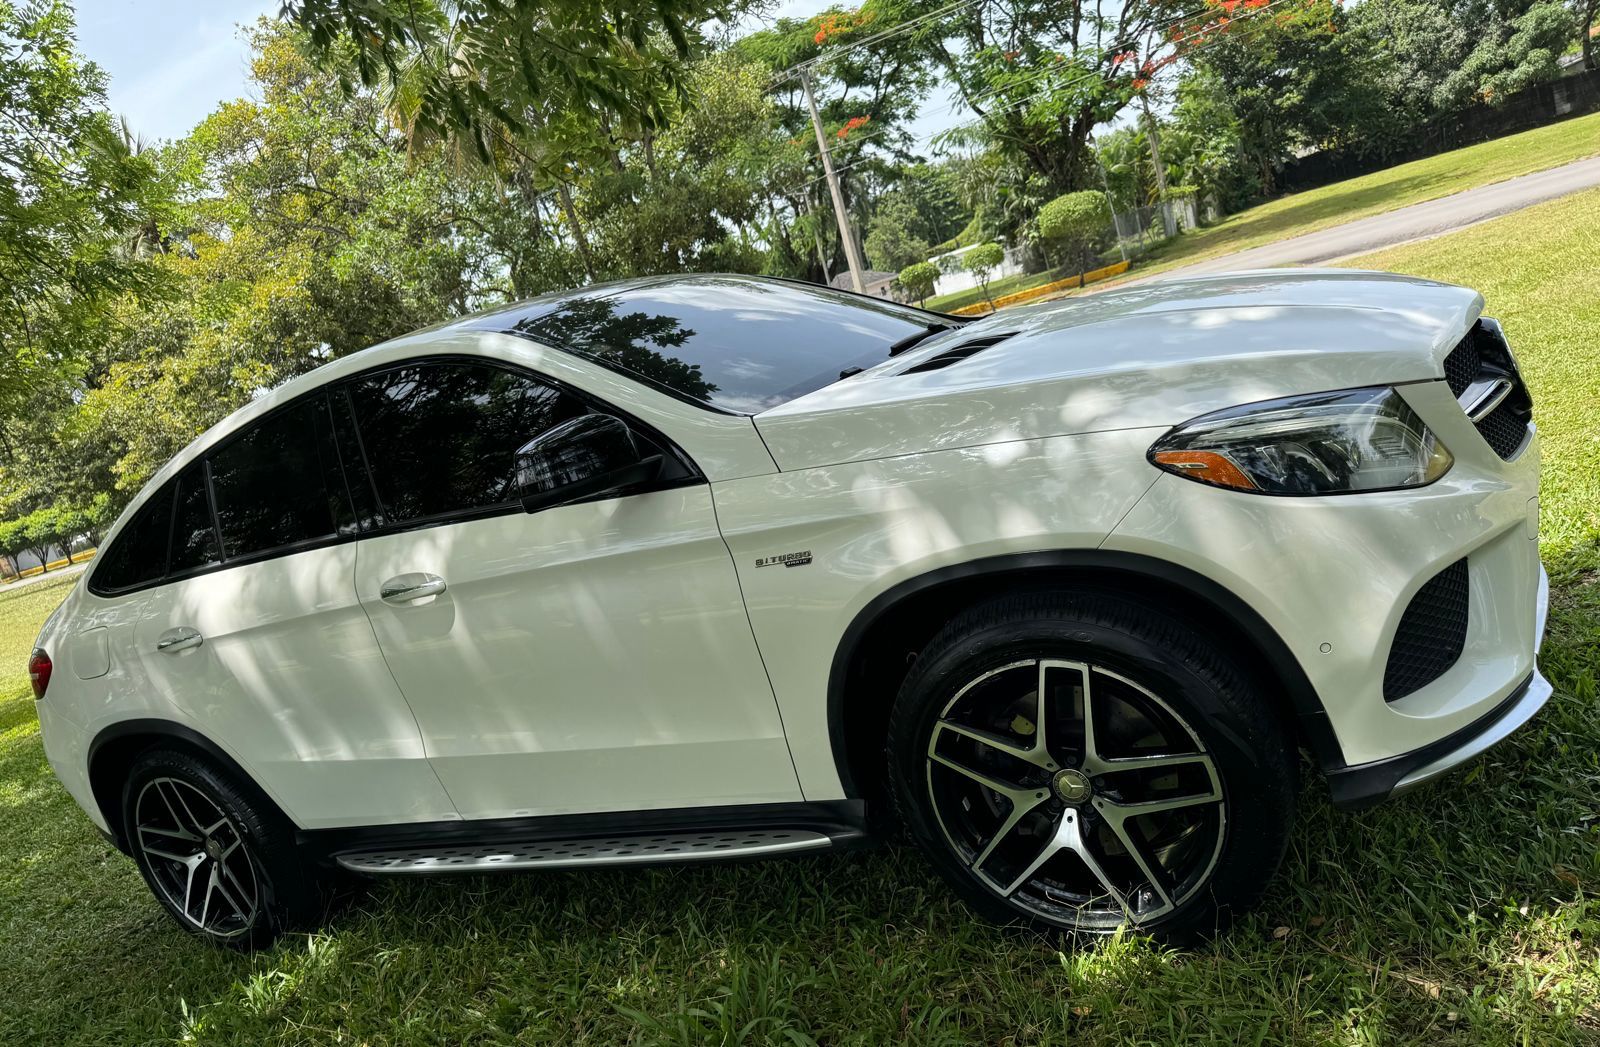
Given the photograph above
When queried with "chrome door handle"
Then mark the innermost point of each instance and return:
(180, 639)
(403, 588)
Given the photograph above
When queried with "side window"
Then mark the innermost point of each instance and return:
(194, 533)
(279, 483)
(139, 555)
(357, 480)
(441, 438)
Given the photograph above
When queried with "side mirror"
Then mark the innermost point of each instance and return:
(585, 456)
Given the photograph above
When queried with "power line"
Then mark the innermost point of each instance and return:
(1049, 71)
(835, 53)
(1019, 103)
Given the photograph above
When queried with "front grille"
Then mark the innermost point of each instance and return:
(1504, 431)
(1432, 633)
(1479, 360)
(1463, 363)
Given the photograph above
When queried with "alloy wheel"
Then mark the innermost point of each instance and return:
(197, 858)
(1075, 794)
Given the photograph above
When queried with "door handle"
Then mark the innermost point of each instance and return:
(404, 588)
(180, 639)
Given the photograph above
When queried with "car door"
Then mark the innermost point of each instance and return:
(583, 658)
(258, 637)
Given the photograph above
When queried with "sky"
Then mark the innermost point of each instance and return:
(171, 62)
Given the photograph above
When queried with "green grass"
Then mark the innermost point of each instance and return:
(1426, 179)
(1465, 914)
(997, 288)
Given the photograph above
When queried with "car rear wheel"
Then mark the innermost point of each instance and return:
(1085, 762)
(222, 862)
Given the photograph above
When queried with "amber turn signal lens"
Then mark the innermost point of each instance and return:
(1205, 465)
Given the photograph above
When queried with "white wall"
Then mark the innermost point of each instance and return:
(961, 280)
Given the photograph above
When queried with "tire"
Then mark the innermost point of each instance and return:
(1173, 841)
(219, 857)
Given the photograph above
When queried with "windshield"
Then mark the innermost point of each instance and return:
(738, 343)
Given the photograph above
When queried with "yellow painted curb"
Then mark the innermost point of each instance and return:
(1093, 276)
(77, 559)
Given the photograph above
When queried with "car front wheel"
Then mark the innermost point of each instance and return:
(1086, 762)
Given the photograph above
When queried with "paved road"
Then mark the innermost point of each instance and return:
(1416, 222)
(55, 575)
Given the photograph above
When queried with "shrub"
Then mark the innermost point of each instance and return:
(918, 279)
(1070, 224)
(981, 261)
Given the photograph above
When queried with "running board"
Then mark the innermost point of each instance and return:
(655, 848)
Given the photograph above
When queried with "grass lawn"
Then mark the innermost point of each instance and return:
(1386, 190)
(1330, 205)
(1465, 914)
(998, 288)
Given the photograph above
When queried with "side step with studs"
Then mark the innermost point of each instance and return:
(654, 848)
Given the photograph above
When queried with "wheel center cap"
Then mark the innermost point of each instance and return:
(214, 850)
(1072, 786)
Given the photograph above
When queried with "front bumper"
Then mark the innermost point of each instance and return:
(1332, 578)
(1362, 785)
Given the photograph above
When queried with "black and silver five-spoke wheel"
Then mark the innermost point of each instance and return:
(219, 858)
(198, 861)
(1088, 762)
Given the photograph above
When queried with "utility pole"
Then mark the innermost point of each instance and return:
(1167, 221)
(846, 237)
(1116, 227)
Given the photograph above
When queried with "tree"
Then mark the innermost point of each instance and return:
(1420, 44)
(13, 540)
(68, 197)
(70, 524)
(981, 262)
(918, 279)
(310, 234)
(98, 516)
(695, 199)
(891, 244)
(1041, 74)
(1512, 51)
(1071, 223)
(506, 74)
(1588, 11)
(866, 97)
(1296, 82)
(40, 530)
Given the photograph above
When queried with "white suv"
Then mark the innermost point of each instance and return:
(705, 567)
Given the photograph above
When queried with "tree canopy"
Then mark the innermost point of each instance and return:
(398, 162)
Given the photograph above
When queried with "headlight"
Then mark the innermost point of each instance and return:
(1325, 443)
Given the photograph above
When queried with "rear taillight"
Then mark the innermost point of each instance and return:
(39, 667)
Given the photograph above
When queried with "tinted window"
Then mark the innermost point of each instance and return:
(358, 481)
(442, 438)
(139, 555)
(194, 534)
(279, 482)
(744, 345)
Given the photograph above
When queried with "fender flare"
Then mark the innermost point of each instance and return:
(157, 730)
(1307, 705)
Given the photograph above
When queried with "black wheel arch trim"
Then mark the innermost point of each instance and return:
(1309, 712)
(157, 731)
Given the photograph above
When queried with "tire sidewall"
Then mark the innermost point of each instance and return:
(1253, 761)
(285, 888)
